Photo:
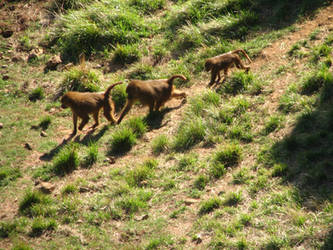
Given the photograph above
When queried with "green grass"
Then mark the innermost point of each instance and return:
(31, 200)
(126, 54)
(92, 155)
(37, 94)
(209, 205)
(139, 176)
(67, 160)
(232, 198)
(45, 122)
(40, 225)
(7, 228)
(200, 182)
(122, 141)
(188, 162)
(69, 189)
(189, 134)
(228, 156)
(80, 79)
(160, 144)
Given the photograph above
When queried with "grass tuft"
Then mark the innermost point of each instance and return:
(160, 144)
(228, 156)
(36, 94)
(32, 199)
(209, 205)
(67, 160)
(122, 141)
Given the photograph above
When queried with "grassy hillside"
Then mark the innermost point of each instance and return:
(246, 165)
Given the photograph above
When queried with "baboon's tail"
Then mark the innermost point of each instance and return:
(109, 104)
(244, 53)
(170, 80)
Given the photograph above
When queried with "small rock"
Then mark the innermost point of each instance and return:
(142, 217)
(32, 57)
(43, 134)
(111, 160)
(46, 187)
(17, 59)
(1, 125)
(4, 66)
(28, 146)
(7, 33)
(5, 77)
(83, 190)
(188, 202)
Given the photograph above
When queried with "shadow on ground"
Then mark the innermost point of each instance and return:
(305, 156)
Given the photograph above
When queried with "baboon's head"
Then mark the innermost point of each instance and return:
(208, 66)
(64, 101)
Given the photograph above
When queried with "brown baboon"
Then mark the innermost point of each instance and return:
(225, 61)
(84, 103)
(152, 93)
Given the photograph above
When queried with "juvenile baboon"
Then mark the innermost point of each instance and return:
(84, 103)
(152, 93)
(224, 62)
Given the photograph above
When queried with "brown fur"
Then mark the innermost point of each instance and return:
(224, 62)
(152, 93)
(84, 103)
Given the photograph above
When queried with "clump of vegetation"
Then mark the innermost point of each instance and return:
(8, 174)
(217, 170)
(139, 175)
(80, 79)
(69, 189)
(67, 160)
(160, 144)
(92, 155)
(7, 228)
(126, 54)
(148, 6)
(238, 82)
(209, 205)
(36, 94)
(31, 200)
(45, 122)
(200, 182)
(228, 156)
(63, 5)
(233, 198)
(141, 72)
(40, 225)
(137, 125)
(315, 80)
(98, 28)
(272, 124)
(189, 133)
(187, 162)
(122, 141)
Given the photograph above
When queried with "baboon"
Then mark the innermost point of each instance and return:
(225, 61)
(84, 103)
(152, 93)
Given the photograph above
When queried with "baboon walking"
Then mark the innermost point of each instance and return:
(152, 93)
(84, 103)
(224, 62)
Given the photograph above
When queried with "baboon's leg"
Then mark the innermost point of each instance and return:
(74, 123)
(213, 76)
(151, 105)
(84, 121)
(218, 77)
(225, 74)
(96, 116)
(125, 110)
(178, 94)
(158, 105)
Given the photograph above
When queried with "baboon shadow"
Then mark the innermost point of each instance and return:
(90, 137)
(154, 120)
(49, 155)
